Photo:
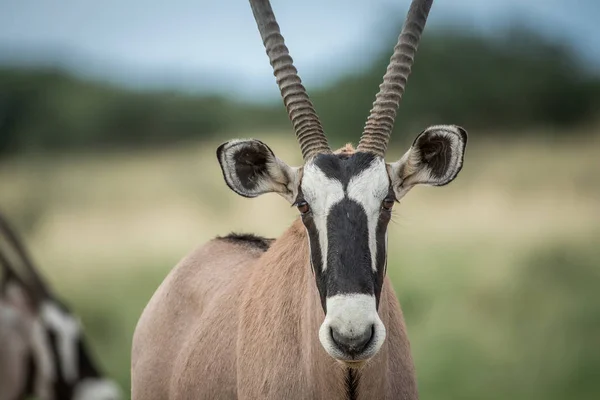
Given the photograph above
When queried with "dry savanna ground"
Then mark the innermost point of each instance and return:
(497, 272)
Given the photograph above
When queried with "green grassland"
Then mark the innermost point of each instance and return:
(498, 273)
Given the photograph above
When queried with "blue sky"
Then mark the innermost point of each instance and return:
(198, 44)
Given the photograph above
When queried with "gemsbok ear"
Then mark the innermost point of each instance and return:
(250, 168)
(435, 158)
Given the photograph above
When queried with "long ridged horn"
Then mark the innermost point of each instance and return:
(380, 123)
(13, 239)
(299, 107)
(9, 274)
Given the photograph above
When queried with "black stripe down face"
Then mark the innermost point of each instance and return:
(346, 201)
(75, 375)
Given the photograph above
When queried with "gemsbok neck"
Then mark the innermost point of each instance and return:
(289, 321)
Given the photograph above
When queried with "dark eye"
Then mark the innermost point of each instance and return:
(303, 207)
(387, 204)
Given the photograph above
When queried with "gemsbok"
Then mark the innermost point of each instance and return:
(312, 314)
(42, 349)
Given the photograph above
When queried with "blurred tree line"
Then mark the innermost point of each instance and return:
(517, 81)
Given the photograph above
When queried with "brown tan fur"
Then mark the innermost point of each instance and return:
(14, 351)
(21, 341)
(232, 322)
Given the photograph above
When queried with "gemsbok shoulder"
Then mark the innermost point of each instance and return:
(312, 314)
(43, 352)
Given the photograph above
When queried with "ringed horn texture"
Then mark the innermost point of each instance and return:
(40, 288)
(307, 126)
(380, 123)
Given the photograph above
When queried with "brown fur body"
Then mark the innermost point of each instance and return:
(14, 352)
(234, 322)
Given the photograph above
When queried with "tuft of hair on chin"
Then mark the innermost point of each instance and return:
(351, 382)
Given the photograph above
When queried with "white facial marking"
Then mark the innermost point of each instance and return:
(351, 315)
(386, 249)
(67, 331)
(368, 189)
(45, 373)
(97, 389)
(322, 193)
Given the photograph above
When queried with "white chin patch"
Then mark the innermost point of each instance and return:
(351, 315)
(97, 389)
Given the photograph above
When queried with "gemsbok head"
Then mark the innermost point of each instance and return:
(43, 352)
(259, 306)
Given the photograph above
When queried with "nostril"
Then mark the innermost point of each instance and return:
(353, 344)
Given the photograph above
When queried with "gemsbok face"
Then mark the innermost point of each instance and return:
(55, 355)
(345, 199)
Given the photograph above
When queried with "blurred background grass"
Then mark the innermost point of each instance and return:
(498, 273)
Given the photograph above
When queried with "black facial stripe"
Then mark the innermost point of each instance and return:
(349, 267)
(87, 368)
(349, 261)
(316, 257)
(343, 169)
(381, 256)
(62, 389)
(29, 388)
(85, 365)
